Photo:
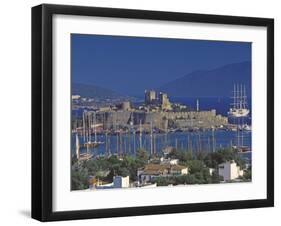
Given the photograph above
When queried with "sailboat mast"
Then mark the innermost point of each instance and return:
(140, 135)
(188, 143)
(121, 143)
(87, 131)
(209, 144)
(154, 141)
(77, 147)
(117, 144)
(213, 139)
(95, 127)
(109, 145)
(242, 133)
(87, 126)
(130, 131)
(129, 140)
(90, 127)
(237, 96)
(241, 96)
(106, 147)
(134, 140)
(238, 134)
(234, 97)
(245, 96)
(151, 139)
(84, 129)
(125, 145)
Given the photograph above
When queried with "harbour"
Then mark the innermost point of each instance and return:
(201, 141)
(123, 130)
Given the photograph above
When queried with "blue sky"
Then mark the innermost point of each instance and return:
(129, 65)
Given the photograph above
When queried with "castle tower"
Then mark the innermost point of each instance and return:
(164, 101)
(150, 97)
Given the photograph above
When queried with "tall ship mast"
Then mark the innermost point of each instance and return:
(239, 106)
(89, 122)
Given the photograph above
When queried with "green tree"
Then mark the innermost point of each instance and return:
(215, 178)
(247, 176)
(141, 158)
(212, 160)
(195, 166)
(79, 178)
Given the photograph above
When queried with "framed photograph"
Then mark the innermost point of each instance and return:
(145, 112)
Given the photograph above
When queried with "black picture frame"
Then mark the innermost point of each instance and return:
(42, 111)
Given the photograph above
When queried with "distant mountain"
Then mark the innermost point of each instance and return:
(93, 91)
(211, 83)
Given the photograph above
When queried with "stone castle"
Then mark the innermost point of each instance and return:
(160, 113)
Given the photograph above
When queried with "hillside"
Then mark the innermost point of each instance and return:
(211, 83)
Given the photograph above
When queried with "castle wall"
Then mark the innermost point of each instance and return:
(160, 120)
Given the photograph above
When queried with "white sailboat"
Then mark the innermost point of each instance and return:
(239, 105)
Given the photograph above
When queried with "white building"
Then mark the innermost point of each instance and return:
(169, 161)
(230, 170)
(118, 182)
(121, 182)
